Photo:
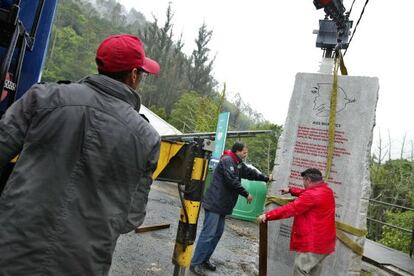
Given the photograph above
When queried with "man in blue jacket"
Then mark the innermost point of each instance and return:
(219, 201)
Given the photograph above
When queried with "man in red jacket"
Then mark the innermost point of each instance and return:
(313, 232)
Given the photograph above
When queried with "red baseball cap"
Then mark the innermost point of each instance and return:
(119, 53)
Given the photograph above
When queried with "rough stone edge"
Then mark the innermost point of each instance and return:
(356, 261)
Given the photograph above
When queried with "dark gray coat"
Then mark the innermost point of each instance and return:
(82, 179)
(225, 187)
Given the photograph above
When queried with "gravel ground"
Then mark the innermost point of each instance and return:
(150, 253)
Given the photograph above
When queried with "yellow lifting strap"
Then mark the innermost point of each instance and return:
(344, 71)
(351, 229)
(341, 228)
(348, 242)
(338, 63)
(14, 160)
(278, 200)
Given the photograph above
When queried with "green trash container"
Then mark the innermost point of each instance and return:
(208, 179)
(244, 211)
(210, 171)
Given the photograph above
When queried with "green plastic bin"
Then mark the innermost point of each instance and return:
(249, 212)
(208, 179)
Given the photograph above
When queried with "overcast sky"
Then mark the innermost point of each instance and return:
(261, 45)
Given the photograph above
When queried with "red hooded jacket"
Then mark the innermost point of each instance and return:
(313, 227)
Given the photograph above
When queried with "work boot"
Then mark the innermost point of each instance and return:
(208, 265)
(197, 270)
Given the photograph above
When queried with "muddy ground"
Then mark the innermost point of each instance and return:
(150, 253)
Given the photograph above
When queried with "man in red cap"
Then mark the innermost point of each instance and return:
(114, 58)
(86, 158)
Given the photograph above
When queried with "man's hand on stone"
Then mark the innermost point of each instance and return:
(249, 199)
(284, 190)
(270, 178)
(261, 218)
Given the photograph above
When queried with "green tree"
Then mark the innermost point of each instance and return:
(262, 148)
(201, 66)
(70, 60)
(395, 238)
(171, 82)
(242, 116)
(160, 111)
(194, 113)
(78, 29)
(392, 182)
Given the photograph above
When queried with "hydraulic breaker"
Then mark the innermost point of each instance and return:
(188, 168)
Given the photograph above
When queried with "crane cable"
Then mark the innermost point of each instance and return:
(338, 64)
(350, 10)
(359, 19)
